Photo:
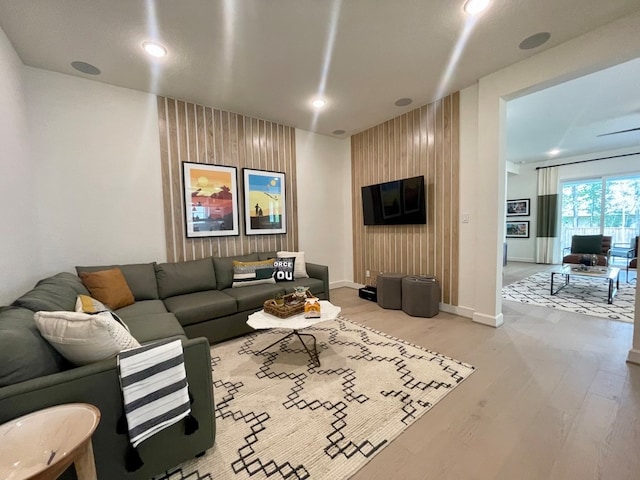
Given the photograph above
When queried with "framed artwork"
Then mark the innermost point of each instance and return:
(518, 208)
(518, 229)
(264, 202)
(210, 200)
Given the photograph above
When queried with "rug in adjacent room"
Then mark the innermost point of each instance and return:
(278, 416)
(583, 295)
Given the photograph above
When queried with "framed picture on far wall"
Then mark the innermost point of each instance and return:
(517, 229)
(264, 202)
(210, 200)
(518, 208)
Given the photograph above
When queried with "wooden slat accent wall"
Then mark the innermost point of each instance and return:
(195, 133)
(421, 142)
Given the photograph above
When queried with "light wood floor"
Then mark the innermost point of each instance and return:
(552, 397)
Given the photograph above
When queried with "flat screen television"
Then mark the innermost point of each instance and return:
(401, 202)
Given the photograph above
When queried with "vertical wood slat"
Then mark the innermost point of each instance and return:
(200, 134)
(421, 142)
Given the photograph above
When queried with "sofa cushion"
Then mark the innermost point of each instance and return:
(84, 338)
(109, 287)
(224, 268)
(267, 255)
(53, 293)
(300, 270)
(141, 278)
(139, 309)
(586, 244)
(315, 286)
(24, 354)
(254, 297)
(157, 326)
(246, 274)
(185, 277)
(200, 306)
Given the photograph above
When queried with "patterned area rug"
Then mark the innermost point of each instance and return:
(278, 416)
(583, 295)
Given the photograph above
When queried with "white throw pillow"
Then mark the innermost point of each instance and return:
(300, 268)
(84, 338)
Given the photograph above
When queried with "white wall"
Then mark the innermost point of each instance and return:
(601, 48)
(19, 257)
(98, 180)
(323, 170)
(468, 196)
(94, 180)
(523, 185)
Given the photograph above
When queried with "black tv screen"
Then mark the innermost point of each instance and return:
(401, 202)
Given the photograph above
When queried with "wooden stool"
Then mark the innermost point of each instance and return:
(390, 290)
(420, 296)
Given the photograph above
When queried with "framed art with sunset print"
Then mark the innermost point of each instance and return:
(210, 200)
(264, 202)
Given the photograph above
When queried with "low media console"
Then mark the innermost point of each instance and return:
(368, 292)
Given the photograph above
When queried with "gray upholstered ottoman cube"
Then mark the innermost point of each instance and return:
(420, 296)
(390, 290)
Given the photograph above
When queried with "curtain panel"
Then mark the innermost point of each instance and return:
(547, 250)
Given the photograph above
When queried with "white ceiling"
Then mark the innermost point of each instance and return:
(571, 116)
(268, 59)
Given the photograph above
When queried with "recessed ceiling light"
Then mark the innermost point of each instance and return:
(85, 67)
(339, 132)
(476, 6)
(554, 152)
(535, 40)
(154, 49)
(318, 103)
(403, 102)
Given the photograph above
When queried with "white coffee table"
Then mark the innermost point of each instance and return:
(610, 274)
(262, 320)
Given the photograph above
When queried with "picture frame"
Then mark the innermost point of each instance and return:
(517, 229)
(518, 208)
(265, 210)
(210, 200)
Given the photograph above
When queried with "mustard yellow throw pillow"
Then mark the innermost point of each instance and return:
(108, 287)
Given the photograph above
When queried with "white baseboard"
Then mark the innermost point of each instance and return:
(457, 310)
(521, 259)
(490, 320)
(344, 283)
(634, 356)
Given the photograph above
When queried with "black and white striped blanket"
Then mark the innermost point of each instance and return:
(154, 388)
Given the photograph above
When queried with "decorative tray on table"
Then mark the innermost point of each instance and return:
(293, 305)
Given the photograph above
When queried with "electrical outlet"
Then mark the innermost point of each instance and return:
(367, 273)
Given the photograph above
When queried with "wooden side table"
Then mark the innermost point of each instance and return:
(42, 444)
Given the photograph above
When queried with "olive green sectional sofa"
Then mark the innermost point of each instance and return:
(193, 301)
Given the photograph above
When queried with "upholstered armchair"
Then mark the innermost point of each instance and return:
(633, 263)
(586, 246)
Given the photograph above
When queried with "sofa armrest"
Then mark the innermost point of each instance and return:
(321, 272)
(99, 385)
